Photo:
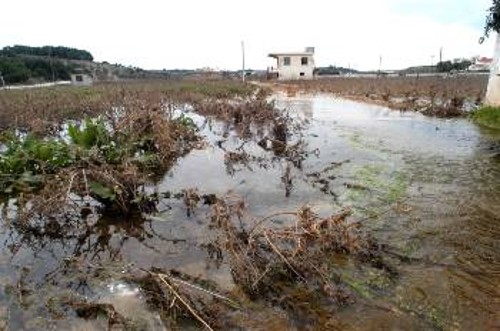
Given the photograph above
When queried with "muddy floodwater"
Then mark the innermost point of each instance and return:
(426, 189)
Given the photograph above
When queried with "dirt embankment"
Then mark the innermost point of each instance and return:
(442, 96)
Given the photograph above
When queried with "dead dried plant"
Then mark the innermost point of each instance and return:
(403, 93)
(281, 264)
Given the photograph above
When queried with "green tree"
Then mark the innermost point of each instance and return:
(447, 66)
(492, 20)
(14, 70)
(50, 51)
(48, 69)
(444, 66)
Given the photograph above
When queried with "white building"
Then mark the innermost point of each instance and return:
(290, 66)
(81, 80)
(481, 64)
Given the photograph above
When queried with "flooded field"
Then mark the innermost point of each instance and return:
(426, 190)
(435, 95)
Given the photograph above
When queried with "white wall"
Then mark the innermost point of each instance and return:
(295, 68)
(493, 93)
(86, 80)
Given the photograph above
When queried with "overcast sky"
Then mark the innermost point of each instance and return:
(197, 33)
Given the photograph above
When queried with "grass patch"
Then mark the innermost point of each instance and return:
(488, 117)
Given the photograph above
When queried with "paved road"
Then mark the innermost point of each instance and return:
(23, 87)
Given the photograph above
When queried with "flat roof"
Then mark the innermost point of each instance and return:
(290, 54)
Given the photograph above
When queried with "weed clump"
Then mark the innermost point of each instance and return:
(241, 114)
(108, 160)
(25, 160)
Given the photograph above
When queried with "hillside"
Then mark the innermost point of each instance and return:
(29, 65)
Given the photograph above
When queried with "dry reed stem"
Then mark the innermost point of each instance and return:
(193, 312)
(277, 251)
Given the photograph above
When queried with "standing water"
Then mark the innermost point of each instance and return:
(441, 180)
(427, 189)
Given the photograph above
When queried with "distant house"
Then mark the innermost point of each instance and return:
(481, 64)
(81, 79)
(290, 66)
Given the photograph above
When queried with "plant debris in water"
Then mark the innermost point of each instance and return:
(109, 164)
(294, 267)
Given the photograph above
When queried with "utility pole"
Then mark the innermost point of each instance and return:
(1, 80)
(243, 60)
(380, 65)
(51, 65)
(441, 54)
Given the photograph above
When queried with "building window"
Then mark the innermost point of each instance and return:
(286, 61)
(302, 74)
(79, 78)
(304, 61)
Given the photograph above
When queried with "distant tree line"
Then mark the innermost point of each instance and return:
(19, 64)
(448, 66)
(50, 51)
(334, 70)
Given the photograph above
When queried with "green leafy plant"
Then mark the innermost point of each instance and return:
(35, 155)
(186, 122)
(27, 158)
(92, 134)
